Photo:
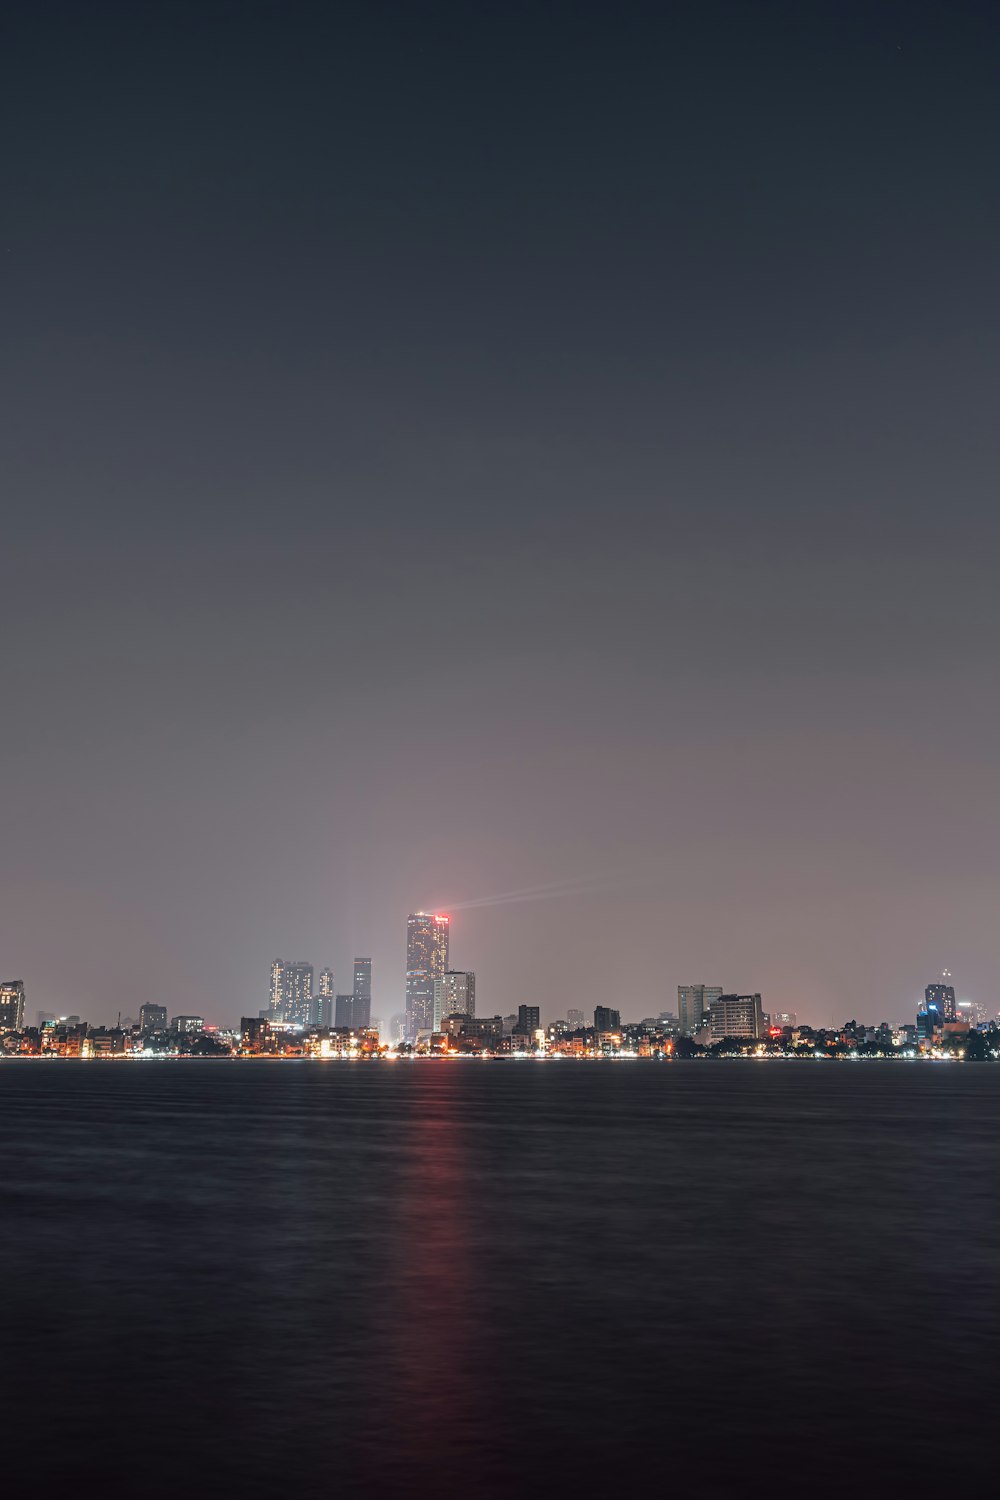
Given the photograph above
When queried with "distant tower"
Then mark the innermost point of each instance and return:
(323, 1004)
(152, 1018)
(362, 993)
(12, 1005)
(426, 960)
(454, 993)
(291, 991)
(940, 999)
(694, 1002)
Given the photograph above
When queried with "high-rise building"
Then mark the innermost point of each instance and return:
(362, 993)
(575, 1020)
(324, 1010)
(152, 1018)
(291, 991)
(426, 960)
(694, 1002)
(454, 993)
(12, 1005)
(940, 998)
(606, 1019)
(736, 1015)
(326, 983)
(343, 1015)
(528, 1020)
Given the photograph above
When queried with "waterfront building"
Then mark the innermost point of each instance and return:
(321, 1007)
(12, 1005)
(152, 1018)
(575, 1020)
(528, 1020)
(941, 998)
(694, 1002)
(291, 991)
(454, 993)
(343, 1016)
(928, 1022)
(736, 1015)
(426, 960)
(607, 1019)
(187, 1023)
(362, 993)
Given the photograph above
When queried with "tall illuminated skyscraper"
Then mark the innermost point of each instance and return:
(291, 991)
(362, 993)
(323, 1003)
(426, 960)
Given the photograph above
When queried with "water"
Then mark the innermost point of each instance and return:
(498, 1278)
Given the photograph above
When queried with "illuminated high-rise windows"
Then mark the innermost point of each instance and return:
(12, 1005)
(426, 960)
(454, 994)
(939, 1000)
(362, 993)
(736, 1015)
(291, 991)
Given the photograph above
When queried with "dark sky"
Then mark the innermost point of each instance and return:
(450, 449)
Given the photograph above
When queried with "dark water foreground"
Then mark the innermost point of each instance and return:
(499, 1278)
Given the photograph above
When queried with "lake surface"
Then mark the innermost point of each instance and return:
(499, 1278)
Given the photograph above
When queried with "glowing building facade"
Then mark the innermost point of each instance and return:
(736, 1015)
(939, 1000)
(362, 993)
(454, 994)
(291, 991)
(426, 961)
(12, 1005)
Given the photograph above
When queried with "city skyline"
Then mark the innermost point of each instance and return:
(301, 993)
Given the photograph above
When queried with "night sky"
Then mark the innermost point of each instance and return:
(452, 449)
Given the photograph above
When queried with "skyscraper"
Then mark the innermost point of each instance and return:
(324, 1000)
(454, 992)
(12, 1005)
(291, 991)
(343, 1016)
(694, 1002)
(426, 960)
(362, 993)
(940, 998)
